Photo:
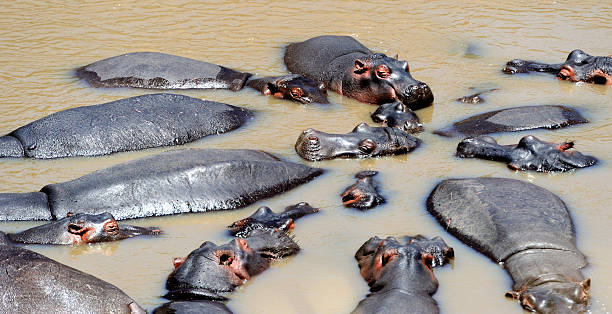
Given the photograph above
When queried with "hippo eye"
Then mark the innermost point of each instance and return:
(296, 92)
(367, 146)
(383, 71)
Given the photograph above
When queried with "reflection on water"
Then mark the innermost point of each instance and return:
(450, 45)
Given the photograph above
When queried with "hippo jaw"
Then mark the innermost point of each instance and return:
(555, 296)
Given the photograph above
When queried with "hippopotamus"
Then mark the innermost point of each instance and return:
(515, 119)
(364, 141)
(523, 227)
(397, 115)
(160, 71)
(212, 271)
(293, 87)
(400, 274)
(475, 98)
(529, 154)
(80, 229)
(33, 283)
(363, 194)
(178, 181)
(193, 307)
(578, 67)
(349, 68)
(124, 125)
(265, 218)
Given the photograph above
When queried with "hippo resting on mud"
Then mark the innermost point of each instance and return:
(292, 87)
(178, 181)
(212, 271)
(397, 115)
(364, 141)
(160, 71)
(33, 283)
(524, 227)
(529, 154)
(351, 69)
(363, 194)
(578, 67)
(80, 229)
(400, 274)
(515, 119)
(265, 218)
(124, 125)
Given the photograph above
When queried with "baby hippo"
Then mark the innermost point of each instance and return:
(293, 87)
(397, 115)
(529, 154)
(363, 194)
(77, 229)
(265, 218)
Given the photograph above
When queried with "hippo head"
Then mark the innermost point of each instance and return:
(389, 264)
(437, 247)
(363, 193)
(265, 218)
(554, 297)
(582, 67)
(397, 115)
(363, 141)
(89, 228)
(297, 88)
(379, 79)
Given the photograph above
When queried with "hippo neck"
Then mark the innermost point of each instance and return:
(535, 267)
(406, 283)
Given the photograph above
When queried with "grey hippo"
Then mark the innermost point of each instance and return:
(397, 115)
(349, 68)
(33, 283)
(400, 274)
(128, 124)
(530, 153)
(265, 218)
(523, 227)
(178, 181)
(364, 141)
(578, 67)
(363, 194)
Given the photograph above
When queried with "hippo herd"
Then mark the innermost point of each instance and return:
(526, 228)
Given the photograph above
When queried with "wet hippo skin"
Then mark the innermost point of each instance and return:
(293, 87)
(265, 218)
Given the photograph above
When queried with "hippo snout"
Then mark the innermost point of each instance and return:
(417, 96)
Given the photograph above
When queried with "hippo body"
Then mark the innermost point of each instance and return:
(293, 87)
(265, 218)
(529, 154)
(124, 125)
(24, 206)
(193, 307)
(33, 283)
(364, 141)
(400, 274)
(578, 67)
(349, 68)
(363, 194)
(178, 181)
(160, 71)
(80, 229)
(523, 226)
(515, 119)
(397, 115)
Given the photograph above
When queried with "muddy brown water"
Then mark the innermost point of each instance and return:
(451, 45)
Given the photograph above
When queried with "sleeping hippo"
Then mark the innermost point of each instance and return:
(33, 283)
(397, 115)
(400, 274)
(578, 67)
(293, 87)
(364, 141)
(346, 66)
(177, 181)
(523, 227)
(265, 218)
(529, 154)
(80, 229)
(363, 194)
(128, 124)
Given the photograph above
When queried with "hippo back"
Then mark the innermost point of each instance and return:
(33, 283)
(179, 181)
(499, 217)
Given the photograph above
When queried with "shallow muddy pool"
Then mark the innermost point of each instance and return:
(450, 45)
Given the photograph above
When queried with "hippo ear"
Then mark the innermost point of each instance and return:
(367, 146)
(512, 295)
(586, 284)
(267, 89)
(360, 66)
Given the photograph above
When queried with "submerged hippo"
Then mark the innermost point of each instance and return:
(578, 67)
(364, 141)
(293, 87)
(400, 274)
(363, 194)
(397, 115)
(160, 71)
(33, 283)
(178, 181)
(475, 98)
(265, 218)
(212, 271)
(193, 307)
(515, 119)
(529, 154)
(80, 229)
(349, 68)
(524, 227)
(124, 125)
